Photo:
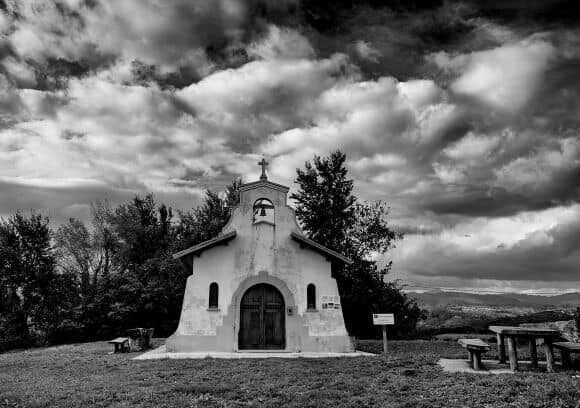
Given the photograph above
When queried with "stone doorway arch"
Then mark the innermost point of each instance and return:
(292, 320)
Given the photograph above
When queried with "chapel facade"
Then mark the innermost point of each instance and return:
(261, 284)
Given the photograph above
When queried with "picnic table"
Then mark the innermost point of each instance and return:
(511, 333)
(140, 338)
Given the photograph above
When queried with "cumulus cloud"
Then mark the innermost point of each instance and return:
(504, 78)
(280, 43)
(473, 134)
(364, 117)
(182, 40)
(366, 51)
(504, 173)
(531, 246)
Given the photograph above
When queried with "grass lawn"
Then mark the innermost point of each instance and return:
(84, 375)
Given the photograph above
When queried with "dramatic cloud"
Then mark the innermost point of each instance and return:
(541, 247)
(504, 78)
(464, 117)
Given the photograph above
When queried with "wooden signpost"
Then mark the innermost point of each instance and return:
(384, 320)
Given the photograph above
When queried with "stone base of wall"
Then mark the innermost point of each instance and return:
(328, 344)
(177, 343)
(321, 344)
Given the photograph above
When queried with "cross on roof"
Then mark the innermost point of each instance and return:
(263, 163)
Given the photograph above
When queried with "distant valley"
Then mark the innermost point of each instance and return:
(460, 312)
(439, 298)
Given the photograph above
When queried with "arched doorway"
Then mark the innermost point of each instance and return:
(262, 319)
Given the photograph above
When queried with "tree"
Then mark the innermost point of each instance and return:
(370, 233)
(36, 295)
(207, 220)
(331, 215)
(75, 254)
(123, 264)
(99, 280)
(146, 280)
(87, 255)
(142, 230)
(104, 241)
(324, 203)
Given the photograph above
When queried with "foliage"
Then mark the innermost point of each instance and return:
(75, 254)
(118, 272)
(35, 299)
(207, 220)
(370, 233)
(142, 231)
(99, 280)
(331, 215)
(324, 203)
(146, 284)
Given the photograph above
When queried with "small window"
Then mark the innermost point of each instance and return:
(311, 297)
(213, 296)
(263, 211)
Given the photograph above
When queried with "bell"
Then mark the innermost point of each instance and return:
(263, 212)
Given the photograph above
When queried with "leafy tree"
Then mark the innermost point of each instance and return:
(126, 275)
(104, 240)
(100, 280)
(370, 233)
(87, 255)
(146, 281)
(325, 205)
(142, 230)
(75, 253)
(331, 215)
(36, 298)
(232, 194)
(207, 220)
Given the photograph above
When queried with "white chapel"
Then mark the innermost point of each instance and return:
(261, 284)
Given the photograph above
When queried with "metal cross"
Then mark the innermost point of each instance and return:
(263, 163)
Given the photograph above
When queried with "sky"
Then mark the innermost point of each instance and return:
(462, 116)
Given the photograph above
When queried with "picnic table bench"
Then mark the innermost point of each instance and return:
(566, 348)
(121, 344)
(475, 347)
(511, 333)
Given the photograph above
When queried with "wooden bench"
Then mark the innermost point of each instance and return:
(566, 348)
(121, 344)
(475, 347)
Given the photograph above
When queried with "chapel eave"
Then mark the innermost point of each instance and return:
(219, 240)
(319, 248)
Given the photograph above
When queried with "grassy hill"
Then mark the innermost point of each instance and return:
(85, 375)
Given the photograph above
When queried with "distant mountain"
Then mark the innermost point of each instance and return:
(441, 298)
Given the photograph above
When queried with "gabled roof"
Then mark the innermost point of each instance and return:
(264, 183)
(319, 248)
(219, 240)
(225, 238)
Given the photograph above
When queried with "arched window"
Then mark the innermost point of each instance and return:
(263, 211)
(311, 297)
(213, 296)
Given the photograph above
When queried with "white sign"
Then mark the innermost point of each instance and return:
(380, 319)
(330, 302)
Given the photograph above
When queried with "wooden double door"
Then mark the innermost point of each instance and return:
(262, 319)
